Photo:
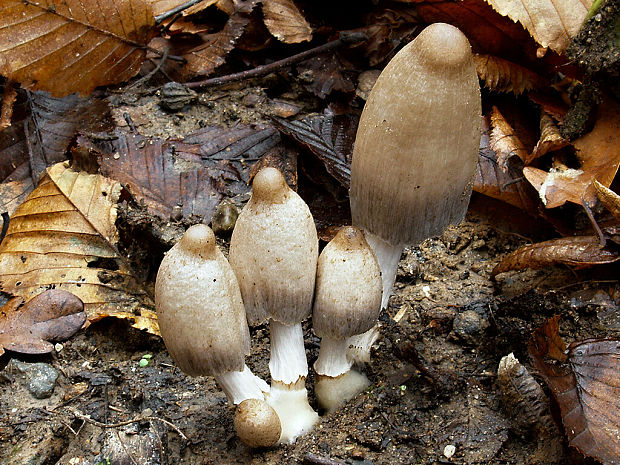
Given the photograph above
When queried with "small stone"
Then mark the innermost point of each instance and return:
(449, 451)
(58, 347)
(42, 378)
(468, 326)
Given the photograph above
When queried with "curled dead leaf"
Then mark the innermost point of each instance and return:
(501, 75)
(503, 140)
(579, 251)
(29, 328)
(608, 198)
(586, 389)
(550, 138)
(286, 22)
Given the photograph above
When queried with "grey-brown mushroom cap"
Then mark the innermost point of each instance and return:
(417, 142)
(348, 288)
(199, 307)
(257, 423)
(274, 251)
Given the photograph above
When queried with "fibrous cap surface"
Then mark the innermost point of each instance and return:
(274, 251)
(348, 288)
(417, 142)
(199, 306)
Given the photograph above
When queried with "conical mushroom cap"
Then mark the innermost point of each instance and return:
(348, 287)
(417, 142)
(199, 307)
(274, 250)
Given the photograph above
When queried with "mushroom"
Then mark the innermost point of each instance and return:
(257, 423)
(201, 315)
(274, 251)
(347, 301)
(416, 150)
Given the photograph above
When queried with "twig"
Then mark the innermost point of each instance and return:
(595, 225)
(152, 73)
(87, 419)
(174, 11)
(312, 459)
(344, 39)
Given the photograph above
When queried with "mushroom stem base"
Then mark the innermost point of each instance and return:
(388, 256)
(241, 385)
(334, 392)
(290, 401)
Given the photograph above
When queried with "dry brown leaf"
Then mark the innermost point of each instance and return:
(586, 389)
(599, 155)
(550, 138)
(13, 193)
(325, 73)
(501, 75)
(503, 140)
(608, 198)
(508, 186)
(29, 328)
(63, 236)
(211, 53)
(285, 21)
(575, 251)
(552, 23)
(74, 45)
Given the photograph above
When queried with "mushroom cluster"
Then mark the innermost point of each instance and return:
(413, 163)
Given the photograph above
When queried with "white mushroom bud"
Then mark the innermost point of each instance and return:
(257, 423)
(274, 251)
(347, 302)
(201, 315)
(416, 149)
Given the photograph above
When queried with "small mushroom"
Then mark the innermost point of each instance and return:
(274, 251)
(347, 302)
(201, 315)
(416, 150)
(257, 423)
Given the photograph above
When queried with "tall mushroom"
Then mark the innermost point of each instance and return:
(416, 149)
(274, 251)
(201, 315)
(347, 302)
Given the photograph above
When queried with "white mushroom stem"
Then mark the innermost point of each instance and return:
(241, 385)
(289, 368)
(288, 362)
(388, 256)
(332, 359)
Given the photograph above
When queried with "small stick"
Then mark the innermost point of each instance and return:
(174, 11)
(312, 459)
(345, 38)
(87, 419)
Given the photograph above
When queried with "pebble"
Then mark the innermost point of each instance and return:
(469, 326)
(449, 451)
(42, 378)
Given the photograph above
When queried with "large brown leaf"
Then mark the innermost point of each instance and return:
(587, 389)
(195, 174)
(28, 328)
(63, 236)
(74, 45)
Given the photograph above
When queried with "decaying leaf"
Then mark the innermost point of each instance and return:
(211, 53)
(550, 137)
(329, 137)
(74, 45)
(508, 186)
(53, 123)
(285, 21)
(13, 193)
(552, 23)
(501, 75)
(324, 74)
(575, 251)
(63, 236)
(599, 155)
(195, 174)
(503, 140)
(29, 328)
(608, 198)
(13, 153)
(586, 388)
